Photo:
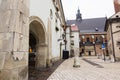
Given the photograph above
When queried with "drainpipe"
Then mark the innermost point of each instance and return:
(112, 40)
(65, 37)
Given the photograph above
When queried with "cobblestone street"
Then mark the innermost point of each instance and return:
(90, 68)
(35, 74)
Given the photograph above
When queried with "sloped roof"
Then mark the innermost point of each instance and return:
(89, 25)
(74, 28)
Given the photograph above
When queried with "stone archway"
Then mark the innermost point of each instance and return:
(37, 42)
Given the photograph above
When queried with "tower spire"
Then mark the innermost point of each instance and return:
(78, 15)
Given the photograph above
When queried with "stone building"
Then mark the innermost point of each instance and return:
(50, 33)
(113, 32)
(29, 27)
(92, 35)
(113, 36)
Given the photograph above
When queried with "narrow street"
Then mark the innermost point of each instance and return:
(90, 68)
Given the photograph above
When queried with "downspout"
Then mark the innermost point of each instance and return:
(112, 40)
(65, 36)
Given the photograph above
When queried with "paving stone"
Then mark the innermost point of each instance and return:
(87, 71)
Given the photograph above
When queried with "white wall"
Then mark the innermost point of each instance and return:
(76, 42)
(68, 39)
(42, 10)
(76, 39)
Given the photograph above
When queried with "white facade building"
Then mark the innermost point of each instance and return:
(30, 30)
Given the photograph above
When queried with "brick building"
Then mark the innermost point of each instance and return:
(92, 35)
(113, 36)
(117, 5)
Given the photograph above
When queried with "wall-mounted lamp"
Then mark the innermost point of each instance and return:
(83, 37)
(103, 36)
(63, 36)
(92, 36)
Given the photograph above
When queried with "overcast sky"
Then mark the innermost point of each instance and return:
(88, 8)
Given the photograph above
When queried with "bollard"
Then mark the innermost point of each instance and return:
(76, 62)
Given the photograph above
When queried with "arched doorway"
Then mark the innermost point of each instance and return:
(32, 49)
(37, 43)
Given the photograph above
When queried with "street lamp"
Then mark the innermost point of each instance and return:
(83, 36)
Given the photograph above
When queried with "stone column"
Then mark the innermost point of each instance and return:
(49, 41)
(41, 56)
(14, 31)
(76, 58)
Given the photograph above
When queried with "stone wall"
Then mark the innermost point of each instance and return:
(14, 31)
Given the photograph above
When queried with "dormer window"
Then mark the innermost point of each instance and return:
(96, 29)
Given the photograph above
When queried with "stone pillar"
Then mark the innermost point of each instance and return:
(49, 40)
(76, 58)
(14, 37)
(41, 56)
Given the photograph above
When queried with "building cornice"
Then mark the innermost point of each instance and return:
(94, 33)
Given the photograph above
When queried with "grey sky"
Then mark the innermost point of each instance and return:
(88, 8)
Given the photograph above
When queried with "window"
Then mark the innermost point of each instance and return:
(88, 39)
(117, 26)
(72, 42)
(97, 39)
(118, 43)
(71, 36)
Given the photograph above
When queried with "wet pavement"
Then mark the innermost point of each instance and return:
(44, 74)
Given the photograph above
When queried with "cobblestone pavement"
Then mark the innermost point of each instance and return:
(89, 70)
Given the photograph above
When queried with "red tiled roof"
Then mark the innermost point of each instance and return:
(74, 28)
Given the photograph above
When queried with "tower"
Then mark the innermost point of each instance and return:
(78, 15)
